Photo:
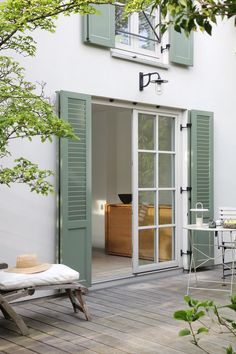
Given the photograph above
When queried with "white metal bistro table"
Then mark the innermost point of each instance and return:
(213, 232)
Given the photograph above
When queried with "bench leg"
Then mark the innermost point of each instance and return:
(78, 302)
(9, 313)
(5, 314)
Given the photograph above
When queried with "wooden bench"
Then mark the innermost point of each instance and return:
(74, 290)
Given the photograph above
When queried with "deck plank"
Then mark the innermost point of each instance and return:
(135, 318)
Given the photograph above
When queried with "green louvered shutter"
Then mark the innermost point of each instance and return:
(181, 48)
(201, 177)
(75, 186)
(100, 28)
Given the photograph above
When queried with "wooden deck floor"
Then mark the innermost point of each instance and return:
(136, 317)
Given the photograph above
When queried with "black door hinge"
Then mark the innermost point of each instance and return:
(188, 253)
(187, 189)
(188, 125)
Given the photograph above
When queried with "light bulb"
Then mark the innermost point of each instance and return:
(158, 88)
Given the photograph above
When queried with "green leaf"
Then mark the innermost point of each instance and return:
(233, 324)
(184, 332)
(181, 315)
(187, 299)
(177, 28)
(202, 330)
(229, 350)
(207, 27)
(199, 20)
(232, 307)
(198, 315)
(233, 299)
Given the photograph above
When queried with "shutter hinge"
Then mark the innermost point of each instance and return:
(188, 125)
(188, 253)
(187, 189)
(165, 48)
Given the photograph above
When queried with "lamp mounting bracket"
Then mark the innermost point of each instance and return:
(157, 79)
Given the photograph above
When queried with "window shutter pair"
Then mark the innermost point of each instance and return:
(100, 30)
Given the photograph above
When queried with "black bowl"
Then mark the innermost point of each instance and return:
(125, 198)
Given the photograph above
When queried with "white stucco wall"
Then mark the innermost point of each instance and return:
(28, 221)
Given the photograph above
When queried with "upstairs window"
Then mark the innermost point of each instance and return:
(138, 32)
(133, 38)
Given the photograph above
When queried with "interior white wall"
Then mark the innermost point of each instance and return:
(99, 176)
(65, 63)
(111, 163)
(123, 135)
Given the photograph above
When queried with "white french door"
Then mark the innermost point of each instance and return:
(154, 191)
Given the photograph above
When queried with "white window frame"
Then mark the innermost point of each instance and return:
(134, 40)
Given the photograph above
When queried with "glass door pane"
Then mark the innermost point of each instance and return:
(146, 222)
(146, 132)
(166, 133)
(154, 191)
(146, 170)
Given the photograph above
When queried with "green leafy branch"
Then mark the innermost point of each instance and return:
(225, 321)
(28, 173)
(25, 114)
(187, 15)
(18, 16)
(199, 309)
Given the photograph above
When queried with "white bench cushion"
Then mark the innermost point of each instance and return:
(56, 274)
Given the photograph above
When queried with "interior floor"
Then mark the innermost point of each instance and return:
(106, 267)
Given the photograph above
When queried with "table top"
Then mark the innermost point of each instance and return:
(205, 227)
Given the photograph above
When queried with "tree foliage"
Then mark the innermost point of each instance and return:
(25, 112)
(187, 14)
(19, 16)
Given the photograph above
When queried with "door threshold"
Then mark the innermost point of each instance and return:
(156, 274)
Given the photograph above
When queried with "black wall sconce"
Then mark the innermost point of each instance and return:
(153, 78)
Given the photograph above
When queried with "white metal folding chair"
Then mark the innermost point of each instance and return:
(228, 243)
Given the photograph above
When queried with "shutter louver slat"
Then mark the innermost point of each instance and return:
(77, 162)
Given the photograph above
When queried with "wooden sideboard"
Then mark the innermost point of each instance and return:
(118, 232)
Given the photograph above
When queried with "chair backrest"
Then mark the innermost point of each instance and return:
(227, 213)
